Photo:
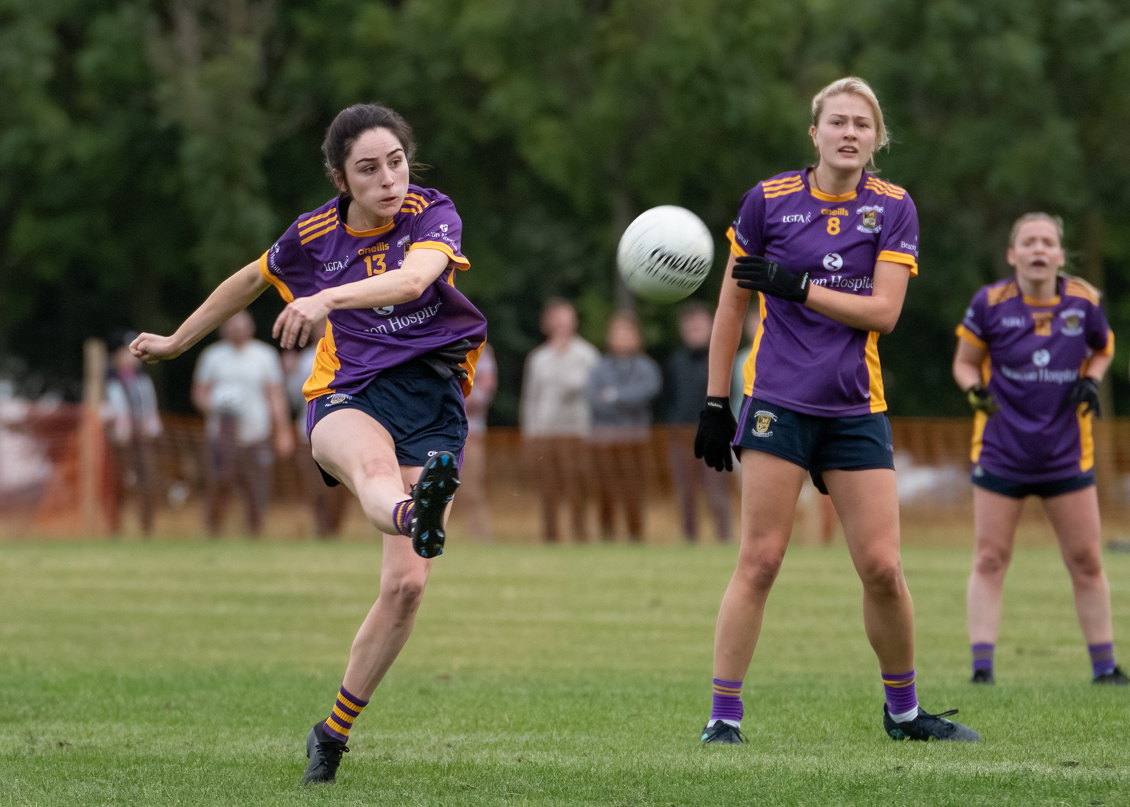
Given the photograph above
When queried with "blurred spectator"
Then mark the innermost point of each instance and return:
(555, 416)
(133, 425)
(621, 389)
(238, 387)
(473, 490)
(328, 503)
(685, 392)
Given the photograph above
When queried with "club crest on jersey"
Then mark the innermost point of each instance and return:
(870, 219)
(1072, 322)
(762, 423)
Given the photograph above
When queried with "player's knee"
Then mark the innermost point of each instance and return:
(404, 592)
(759, 571)
(882, 577)
(1084, 565)
(992, 562)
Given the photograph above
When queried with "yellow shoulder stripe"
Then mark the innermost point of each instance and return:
(998, 294)
(1076, 287)
(318, 233)
(784, 191)
(775, 183)
(315, 221)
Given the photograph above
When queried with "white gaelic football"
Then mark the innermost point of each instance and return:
(665, 254)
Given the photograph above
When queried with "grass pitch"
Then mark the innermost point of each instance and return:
(190, 673)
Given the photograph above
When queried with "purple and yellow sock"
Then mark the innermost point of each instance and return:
(901, 697)
(1102, 658)
(402, 514)
(345, 711)
(727, 701)
(983, 656)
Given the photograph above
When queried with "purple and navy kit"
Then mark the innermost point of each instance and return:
(1036, 352)
(803, 360)
(320, 250)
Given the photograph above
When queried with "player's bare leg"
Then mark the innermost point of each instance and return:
(994, 523)
(389, 622)
(1075, 518)
(867, 502)
(771, 487)
(359, 451)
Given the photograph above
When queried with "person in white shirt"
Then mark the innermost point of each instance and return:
(556, 418)
(238, 386)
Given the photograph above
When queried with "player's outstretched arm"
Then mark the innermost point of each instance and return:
(879, 312)
(229, 298)
(421, 268)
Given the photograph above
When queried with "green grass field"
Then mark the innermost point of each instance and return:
(189, 673)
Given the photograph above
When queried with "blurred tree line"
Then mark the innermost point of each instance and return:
(149, 148)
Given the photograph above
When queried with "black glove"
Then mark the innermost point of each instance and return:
(447, 360)
(761, 274)
(980, 400)
(716, 427)
(1085, 391)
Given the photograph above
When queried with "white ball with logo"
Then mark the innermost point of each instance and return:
(665, 254)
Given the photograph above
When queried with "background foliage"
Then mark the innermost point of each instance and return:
(149, 148)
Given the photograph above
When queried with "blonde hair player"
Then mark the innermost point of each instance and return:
(829, 250)
(1032, 351)
(385, 408)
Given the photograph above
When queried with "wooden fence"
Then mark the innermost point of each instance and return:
(54, 471)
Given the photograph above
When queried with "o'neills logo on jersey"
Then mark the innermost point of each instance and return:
(338, 398)
(373, 250)
(835, 211)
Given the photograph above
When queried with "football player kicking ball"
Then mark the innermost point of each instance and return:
(385, 412)
(1032, 352)
(830, 251)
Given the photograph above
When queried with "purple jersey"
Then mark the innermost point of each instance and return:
(803, 360)
(320, 250)
(1036, 351)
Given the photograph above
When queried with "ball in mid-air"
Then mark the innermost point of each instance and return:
(665, 254)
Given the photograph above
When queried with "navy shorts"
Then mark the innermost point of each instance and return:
(1020, 490)
(423, 412)
(817, 444)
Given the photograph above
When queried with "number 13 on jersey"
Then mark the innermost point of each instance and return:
(375, 264)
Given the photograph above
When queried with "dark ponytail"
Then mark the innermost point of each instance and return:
(353, 122)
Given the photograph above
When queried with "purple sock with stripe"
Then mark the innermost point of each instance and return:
(899, 689)
(402, 514)
(1102, 658)
(983, 656)
(345, 711)
(727, 701)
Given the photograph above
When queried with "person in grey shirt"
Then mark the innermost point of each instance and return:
(621, 389)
